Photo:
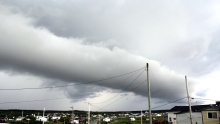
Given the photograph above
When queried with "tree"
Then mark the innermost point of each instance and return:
(66, 119)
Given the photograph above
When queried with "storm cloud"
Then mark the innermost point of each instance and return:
(76, 42)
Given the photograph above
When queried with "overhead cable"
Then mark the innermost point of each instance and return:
(120, 97)
(169, 103)
(122, 90)
(58, 86)
(34, 100)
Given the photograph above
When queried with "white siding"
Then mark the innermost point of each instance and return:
(171, 116)
(184, 118)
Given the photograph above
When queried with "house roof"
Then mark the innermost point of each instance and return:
(212, 108)
(194, 108)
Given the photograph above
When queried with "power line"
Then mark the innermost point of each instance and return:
(97, 107)
(139, 85)
(122, 90)
(33, 100)
(121, 97)
(62, 97)
(58, 86)
(169, 103)
(205, 99)
(153, 78)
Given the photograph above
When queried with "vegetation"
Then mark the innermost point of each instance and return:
(117, 117)
(25, 122)
(65, 119)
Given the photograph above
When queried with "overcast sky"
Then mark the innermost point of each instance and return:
(55, 54)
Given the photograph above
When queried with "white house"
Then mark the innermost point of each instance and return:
(184, 118)
(40, 118)
(19, 119)
(76, 120)
(55, 118)
(107, 119)
(132, 119)
(171, 117)
(183, 114)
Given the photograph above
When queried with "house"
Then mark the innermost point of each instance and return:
(75, 121)
(182, 112)
(184, 118)
(55, 117)
(201, 114)
(211, 115)
(3, 120)
(171, 117)
(107, 119)
(19, 119)
(41, 118)
(132, 119)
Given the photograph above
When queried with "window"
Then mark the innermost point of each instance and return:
(212, 115)
(170, 119)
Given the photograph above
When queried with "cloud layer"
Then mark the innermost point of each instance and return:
(76, 42)
(26, 48)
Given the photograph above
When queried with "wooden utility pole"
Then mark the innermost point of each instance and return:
(141, 116)
(149, 96)
(89, 114)
(43, 116)
(72, 116)
(190, 109)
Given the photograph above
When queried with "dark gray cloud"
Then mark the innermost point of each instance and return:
(29, 49)
(156, 28)
(71, 42)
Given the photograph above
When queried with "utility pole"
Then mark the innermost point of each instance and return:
(89, 114)
(22, 116)
(72, 117)
(43, 116)
(149, 96)
(141, 116)
(190, 109)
